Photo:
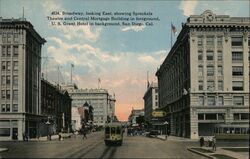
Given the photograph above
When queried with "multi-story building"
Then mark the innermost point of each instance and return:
(150, 100)
(135, 113)
(20, 83)
(103, 104)
(55, 109)
(204, 81)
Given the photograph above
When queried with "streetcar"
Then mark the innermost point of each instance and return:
(113, 133)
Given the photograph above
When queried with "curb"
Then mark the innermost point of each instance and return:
(4, 149)
(202, 154)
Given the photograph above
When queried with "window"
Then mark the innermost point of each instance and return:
(3, 108)
(7, 107)
(200, 41)
(3, 80)
(8, 51)
(210, 85)
(15, 95)
(237, 116)
(8, 94)
(219, 54)
(220, 71)
(200, 85)
(4, 37)
(210, 55)
(237, 56)
(8, 65)
(15, 65)
(200, 116)
(244, 116)
(4, 131)
(211, 116)
(237, 71)
(15, 38)
(15, 80)
(200, 70)
(211, 100)
(15, 50)
(238, 100)
(3, 65)
(210, 40)
(3, 95)
(249, 41)
(237, 41)
(3, 51)
(201, 100)
(219, 41)
(220, 101)
(237, 85)
(210, 70)
(221, 116)
(8, 80)
(220, 85)
(8, 38)
(200, 55)
(15, 108)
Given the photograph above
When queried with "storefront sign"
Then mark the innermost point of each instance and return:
(159, 113)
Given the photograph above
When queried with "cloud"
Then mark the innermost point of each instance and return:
(188, 7)
(147, 59)
(134, 28)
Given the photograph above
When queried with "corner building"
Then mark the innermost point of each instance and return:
(20, 81)
(204, 80)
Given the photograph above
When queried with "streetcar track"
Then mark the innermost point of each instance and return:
(89, 149)
(105, 152)
(80, 148)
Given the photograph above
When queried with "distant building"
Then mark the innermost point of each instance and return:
(135, 113)
(55, 109)
(77, 118)
(204, 80)
(20, 81)
(150, 100)
(102, 102)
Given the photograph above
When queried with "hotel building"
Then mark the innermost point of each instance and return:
(204, 80)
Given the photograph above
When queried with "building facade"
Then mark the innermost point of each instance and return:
(102, 102)
(135, 113)
(150, 100)
(20, 84)
(55, 109)
(204, 80)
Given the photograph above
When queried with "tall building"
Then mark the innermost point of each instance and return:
(135, 113)
(204, 80)
(55, 110)
(20, 82)
(150, 100)
(102, 102)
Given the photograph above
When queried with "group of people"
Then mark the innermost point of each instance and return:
(211, 142)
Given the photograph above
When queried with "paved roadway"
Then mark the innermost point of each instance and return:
(94, 147)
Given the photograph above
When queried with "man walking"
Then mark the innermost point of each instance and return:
(214, 143)
(84, 133)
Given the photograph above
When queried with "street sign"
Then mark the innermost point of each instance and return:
(159, 113)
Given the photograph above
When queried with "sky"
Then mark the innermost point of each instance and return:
(120, 56)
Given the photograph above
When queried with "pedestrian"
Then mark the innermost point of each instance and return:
(214, 143)
(84, 134)
(201, 141)
(60, 137)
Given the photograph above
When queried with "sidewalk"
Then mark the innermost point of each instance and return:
(221, 151)
(3, 149)
(174, 138)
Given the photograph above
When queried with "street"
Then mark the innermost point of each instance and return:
(94, 147)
